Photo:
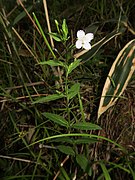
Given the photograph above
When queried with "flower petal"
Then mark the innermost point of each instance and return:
(87, 46)
(78, 44)
(80, 34)
(89, 37)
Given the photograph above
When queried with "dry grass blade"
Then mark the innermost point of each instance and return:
(18, 159)
(48, 21)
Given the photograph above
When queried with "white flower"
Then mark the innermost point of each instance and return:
(84, 40)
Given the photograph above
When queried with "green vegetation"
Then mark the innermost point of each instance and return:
(57, 119)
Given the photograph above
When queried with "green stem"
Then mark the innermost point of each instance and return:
(67, 99)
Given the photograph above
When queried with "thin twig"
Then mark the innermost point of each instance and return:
(128, 27)
(17, 34)
(27, 84)
(23, 97)
(19, 159)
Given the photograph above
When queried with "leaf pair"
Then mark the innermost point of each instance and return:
(72, 92)
(69, 68)
(63, 122)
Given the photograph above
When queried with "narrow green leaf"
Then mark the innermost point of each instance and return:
(65, 28)
(43, 35)
(21, 16)
(63, 139)
(56, 22)
(73, 65)
(86, 126)
(132, 171)
(52, 63)
(85, 141)
(73, 91)
(66, 150)
(105, 171)
(84, 164)
(57, 25)
(63, 174)
(55, 36)
(49, 98)
(56, 119)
